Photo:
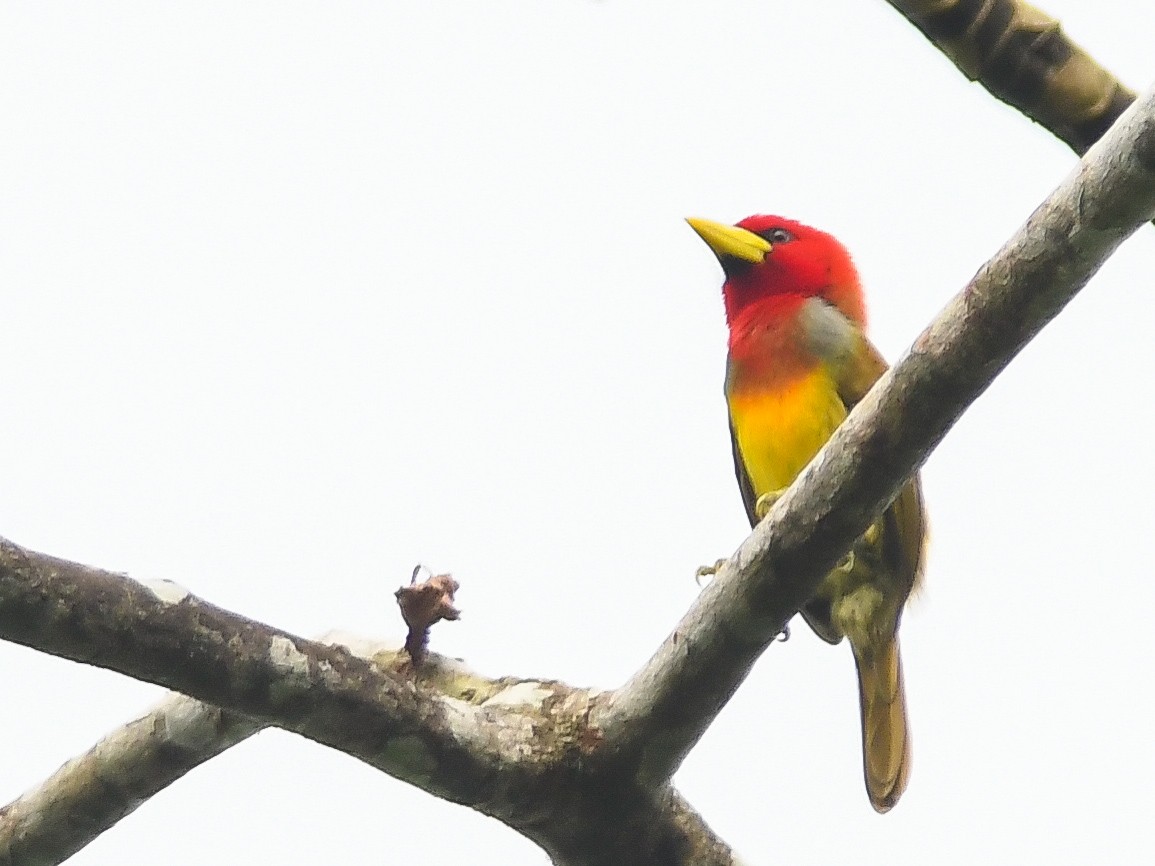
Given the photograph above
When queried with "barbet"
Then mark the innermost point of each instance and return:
(798, 361)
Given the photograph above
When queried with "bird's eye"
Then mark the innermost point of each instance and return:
(777, 236)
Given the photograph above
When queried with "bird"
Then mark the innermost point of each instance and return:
(798, 361)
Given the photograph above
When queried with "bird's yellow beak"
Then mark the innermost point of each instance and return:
(731, 241)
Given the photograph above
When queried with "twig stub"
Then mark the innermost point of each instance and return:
(423, 605)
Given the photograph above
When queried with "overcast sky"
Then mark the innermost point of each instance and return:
(297, 295)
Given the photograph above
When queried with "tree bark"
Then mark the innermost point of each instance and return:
(1021, 55)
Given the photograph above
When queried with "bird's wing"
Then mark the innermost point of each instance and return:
(905, 520)
(744, 483)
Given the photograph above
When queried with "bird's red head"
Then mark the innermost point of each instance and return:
(767, 256)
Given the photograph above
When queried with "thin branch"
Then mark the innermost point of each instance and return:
(92, 792)
(1021, 55)
(667, 705)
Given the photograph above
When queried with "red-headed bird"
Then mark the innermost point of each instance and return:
(798, 361)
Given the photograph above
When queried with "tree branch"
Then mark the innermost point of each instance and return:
(667, 705)
(91, 793)
(1021, 55)
(512, 749)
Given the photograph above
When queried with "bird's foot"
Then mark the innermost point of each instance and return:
(846, 564)
(783, 635)
(766, 501)
(870, 541)
(708, 571)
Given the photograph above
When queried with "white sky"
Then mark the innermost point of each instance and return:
(297, 295)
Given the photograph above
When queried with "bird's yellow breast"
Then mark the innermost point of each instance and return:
(780, 428)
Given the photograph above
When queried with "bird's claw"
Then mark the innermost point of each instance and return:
(846, 564)
(766, 501)
(708, 571)
(783, 635)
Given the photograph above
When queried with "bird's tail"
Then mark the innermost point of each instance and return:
(885, 741)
